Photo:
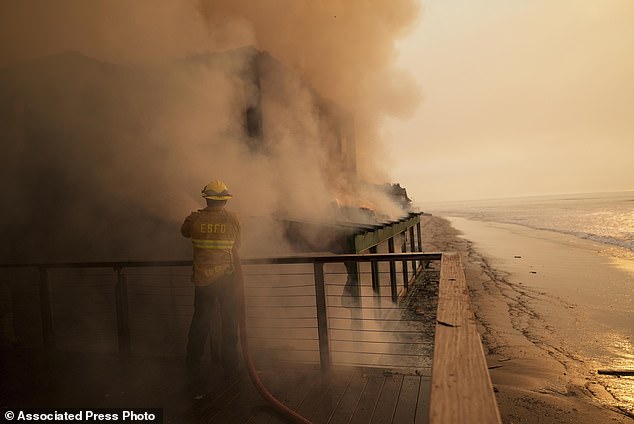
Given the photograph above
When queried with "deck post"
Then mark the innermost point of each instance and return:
(412, 245)
(374, 266)
(46, 310)
(123, 314)
(419, 234)
(322, 318)
(420, 237)
(390, 246)
(405, 270)
(353, 270)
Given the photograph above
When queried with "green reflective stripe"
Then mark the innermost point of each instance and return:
(213, 244)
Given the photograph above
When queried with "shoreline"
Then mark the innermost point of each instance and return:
(535, 381)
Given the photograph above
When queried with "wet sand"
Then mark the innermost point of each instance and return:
(547, 320)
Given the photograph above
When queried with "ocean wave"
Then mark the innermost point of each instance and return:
(605, 218)
(605, 240)
(626, 244)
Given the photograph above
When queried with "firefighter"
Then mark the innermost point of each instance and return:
(215, 235)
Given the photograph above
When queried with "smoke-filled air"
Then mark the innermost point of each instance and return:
(114, 115)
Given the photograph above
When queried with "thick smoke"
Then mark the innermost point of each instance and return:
(127, 127)
(345, 49)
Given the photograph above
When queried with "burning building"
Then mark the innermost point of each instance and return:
(264, 85)
(103, 160)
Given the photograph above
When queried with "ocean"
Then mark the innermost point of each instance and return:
(606, 218)
(570, 259)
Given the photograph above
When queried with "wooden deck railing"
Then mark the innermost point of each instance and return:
(461, 386)
(121, 288)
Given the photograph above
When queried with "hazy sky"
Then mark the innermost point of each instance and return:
(520, 98)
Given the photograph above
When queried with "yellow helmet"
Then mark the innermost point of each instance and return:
(216, 190)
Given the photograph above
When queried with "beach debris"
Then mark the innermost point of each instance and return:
(618, 373)
(517, 257)
(533, 272)
(492, 367)
(446, 324)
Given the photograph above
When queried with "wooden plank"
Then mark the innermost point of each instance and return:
(367, 402)
(310, 403)
(245, 405)
(422, 406)
(280, 384)
(330, 398)
(345, 409)
(295, 395)
(408, 398)
(207, 408)
(461, 386)
(388, 399)
(235, 404)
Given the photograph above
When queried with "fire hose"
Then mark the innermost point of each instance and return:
(253, 374)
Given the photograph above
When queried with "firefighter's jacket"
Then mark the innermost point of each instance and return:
(215, 232)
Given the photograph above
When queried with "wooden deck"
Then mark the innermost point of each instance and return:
(350, 395)
(370, 340)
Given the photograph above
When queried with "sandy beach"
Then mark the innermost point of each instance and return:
(544, 336)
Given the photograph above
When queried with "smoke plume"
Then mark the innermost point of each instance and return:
(105, 114)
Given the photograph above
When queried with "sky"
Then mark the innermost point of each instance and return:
(519, 98)
(516, 97)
